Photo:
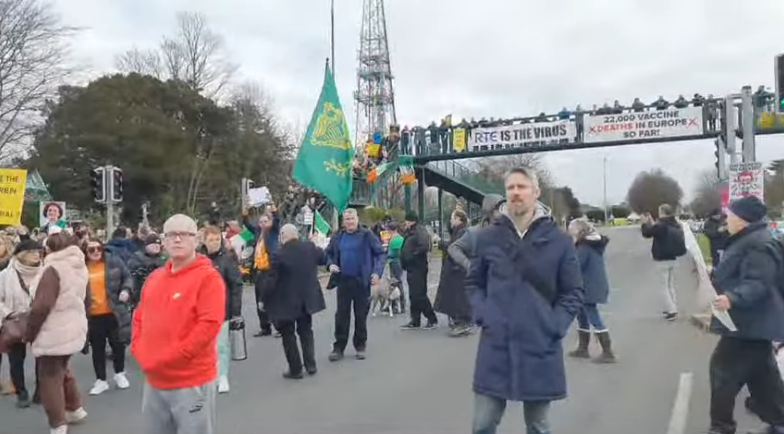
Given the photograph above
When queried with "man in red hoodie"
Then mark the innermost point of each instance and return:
(175, 328)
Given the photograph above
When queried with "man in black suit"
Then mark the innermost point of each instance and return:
(293, 296)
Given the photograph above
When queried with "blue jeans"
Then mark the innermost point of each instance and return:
(488, 412)
(589, 317)
(224, 350)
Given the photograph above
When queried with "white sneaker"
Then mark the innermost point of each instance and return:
(74, 417)
(99, 387)
(121, 380)
(62, 429)
(223, 384)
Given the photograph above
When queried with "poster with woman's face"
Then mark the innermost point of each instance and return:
(51, 213)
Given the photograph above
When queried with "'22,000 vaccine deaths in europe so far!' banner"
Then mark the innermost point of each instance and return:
(654, 124)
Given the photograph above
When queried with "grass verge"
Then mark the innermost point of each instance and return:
(702, 240)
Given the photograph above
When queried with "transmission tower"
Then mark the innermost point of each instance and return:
(375, 96)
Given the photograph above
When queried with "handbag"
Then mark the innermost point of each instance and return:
(13, 330)
(14, 325)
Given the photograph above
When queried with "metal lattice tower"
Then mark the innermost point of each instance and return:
(375, 96)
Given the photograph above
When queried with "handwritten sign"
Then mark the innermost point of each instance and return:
(747, 179)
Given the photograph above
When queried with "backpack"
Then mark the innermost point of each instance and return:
(676, 242)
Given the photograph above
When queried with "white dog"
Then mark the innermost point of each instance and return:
(384, 295)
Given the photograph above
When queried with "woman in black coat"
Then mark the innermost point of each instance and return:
(109, 313)
(293, 295)
(590, 247)
(227, 264)
(451, 298)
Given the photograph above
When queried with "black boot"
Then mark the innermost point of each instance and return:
(291, 350)
(308, 352)
(22, 399)
(607, 355)
(584, 340)
(293, 375)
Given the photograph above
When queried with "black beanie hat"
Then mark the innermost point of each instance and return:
(152, 239)
(27, 245)
(749, 209)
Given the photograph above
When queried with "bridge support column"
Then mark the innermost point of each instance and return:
(749, 153)
(407, 197)
(421, 196)
(440, 213)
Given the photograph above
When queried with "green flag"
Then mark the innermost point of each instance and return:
(326, 157)
(246, 235)
(320, 225)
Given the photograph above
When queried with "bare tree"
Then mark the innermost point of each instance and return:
(651, 189)
(147, 62)
(33, 51)
(707, 197)
(493, 169)
(195, 55)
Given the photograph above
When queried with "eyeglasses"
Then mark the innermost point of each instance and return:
(178, 235)
(97, 249)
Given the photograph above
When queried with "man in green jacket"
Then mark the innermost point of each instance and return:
(393, 255)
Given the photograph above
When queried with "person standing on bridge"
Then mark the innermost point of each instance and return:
(668, 245)
(175, 332)
(749, 283)
(525, 288)
(355, 258)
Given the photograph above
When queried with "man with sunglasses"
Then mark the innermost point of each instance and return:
(175, 330)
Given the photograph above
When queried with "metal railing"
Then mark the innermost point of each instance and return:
(466, 176)
(361, 193)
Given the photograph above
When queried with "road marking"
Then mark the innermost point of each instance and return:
(680, 410)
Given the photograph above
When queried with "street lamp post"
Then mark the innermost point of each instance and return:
(604, 176)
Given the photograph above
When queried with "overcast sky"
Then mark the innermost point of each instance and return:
(494, 58)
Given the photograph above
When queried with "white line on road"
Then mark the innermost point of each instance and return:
(680, 410)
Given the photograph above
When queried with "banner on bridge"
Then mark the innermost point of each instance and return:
(522, 135)
(676, 122)
(747, 179)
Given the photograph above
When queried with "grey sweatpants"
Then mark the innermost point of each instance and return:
(179, 411)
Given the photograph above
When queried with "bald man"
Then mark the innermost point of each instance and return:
(292, 298)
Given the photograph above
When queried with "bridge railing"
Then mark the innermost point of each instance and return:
(439, 140)
(361, 193)
(465, 175)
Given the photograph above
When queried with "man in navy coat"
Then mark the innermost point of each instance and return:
(748, 282)
(525, 289)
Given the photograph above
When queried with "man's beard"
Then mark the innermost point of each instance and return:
(519, 210)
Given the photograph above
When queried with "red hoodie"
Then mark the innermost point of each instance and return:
(176, 325)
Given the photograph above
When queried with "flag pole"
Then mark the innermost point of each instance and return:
(332, 34)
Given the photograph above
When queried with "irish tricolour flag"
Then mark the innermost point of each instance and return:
(378, 171)
(239, 241)
(320, 225)
(320, 230)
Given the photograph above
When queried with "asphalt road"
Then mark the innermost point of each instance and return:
(420, 381)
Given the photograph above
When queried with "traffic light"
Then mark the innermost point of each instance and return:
(117, 184)
(717, 154)
(98, 183)
(721, 159)
(780, 83)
